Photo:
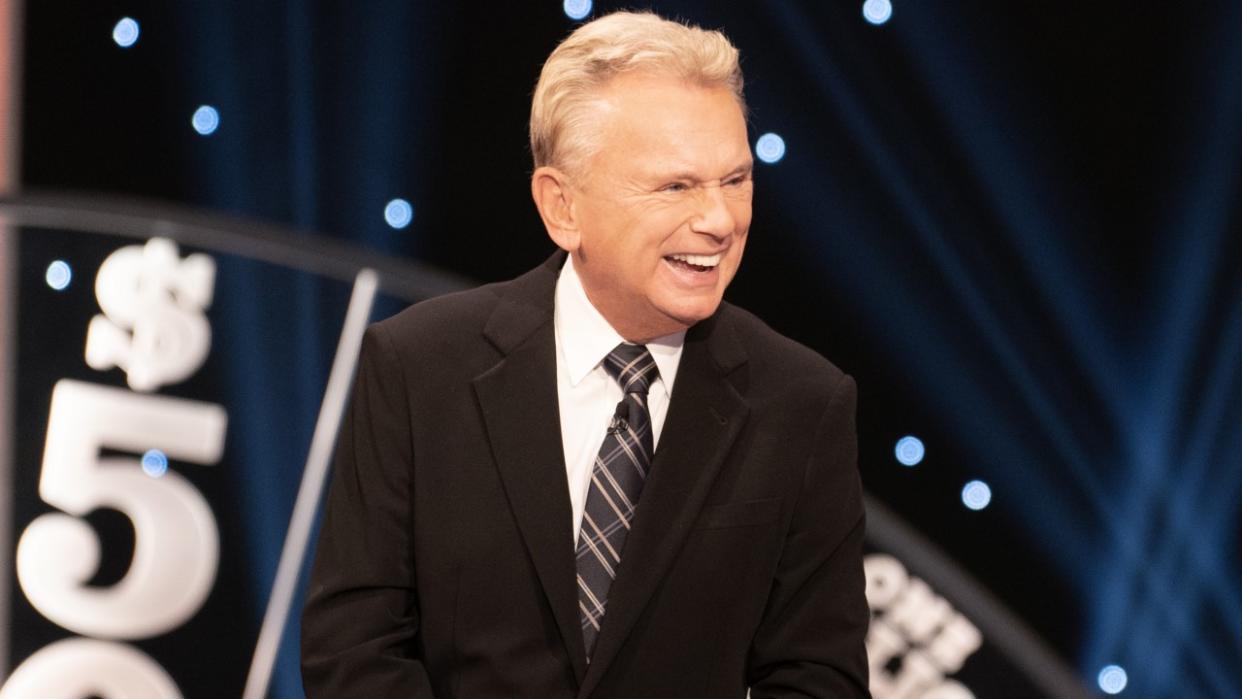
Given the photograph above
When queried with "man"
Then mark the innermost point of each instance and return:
(598, 479)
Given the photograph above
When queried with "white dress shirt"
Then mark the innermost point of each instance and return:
(587, 395)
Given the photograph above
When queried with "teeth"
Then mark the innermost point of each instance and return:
(698, 260)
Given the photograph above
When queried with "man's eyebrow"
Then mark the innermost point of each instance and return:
(689, 176)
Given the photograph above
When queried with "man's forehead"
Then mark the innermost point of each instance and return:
(677, 109)
(639, 83)
(680, 130)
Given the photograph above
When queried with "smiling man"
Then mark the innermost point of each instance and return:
(600, 479)
(655, 211)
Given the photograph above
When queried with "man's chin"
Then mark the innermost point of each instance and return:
(685, 317)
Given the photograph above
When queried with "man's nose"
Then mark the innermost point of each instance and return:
(713, 217)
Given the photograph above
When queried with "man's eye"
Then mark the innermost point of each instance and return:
(737, 181)
(674, 187)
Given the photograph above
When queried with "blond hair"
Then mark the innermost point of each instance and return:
(600, 50)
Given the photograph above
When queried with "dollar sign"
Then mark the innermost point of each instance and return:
(152, 326)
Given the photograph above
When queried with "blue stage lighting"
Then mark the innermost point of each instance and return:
(877, 12)
(205, 120)
(577, 9)
(770, 148)
(59, 275)
(910, 451)
(398, 213)
(154, 463)
(125, 33)
(976, 495)
(1112, 679)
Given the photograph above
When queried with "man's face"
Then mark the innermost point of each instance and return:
(663, 205)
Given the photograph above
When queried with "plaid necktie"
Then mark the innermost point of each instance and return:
(616, 481)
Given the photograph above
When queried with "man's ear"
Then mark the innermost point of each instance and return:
(554, 198)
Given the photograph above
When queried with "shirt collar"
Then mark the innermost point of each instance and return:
(586, 337)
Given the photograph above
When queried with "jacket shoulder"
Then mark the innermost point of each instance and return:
(455, 314)
(461, 317)
(776, 360)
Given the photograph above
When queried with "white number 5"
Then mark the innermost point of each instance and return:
(176, 545)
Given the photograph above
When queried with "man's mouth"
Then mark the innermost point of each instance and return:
(694, 263)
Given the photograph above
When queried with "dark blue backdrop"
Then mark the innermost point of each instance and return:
(1016, 224)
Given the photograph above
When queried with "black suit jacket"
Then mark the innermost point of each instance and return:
(445, 565)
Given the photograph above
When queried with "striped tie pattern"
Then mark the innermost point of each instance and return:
(616, 481)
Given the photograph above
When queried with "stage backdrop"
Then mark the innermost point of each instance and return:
(1016, 225)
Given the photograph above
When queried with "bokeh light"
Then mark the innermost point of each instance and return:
(59, 274)
(125, 33)
(154, 463)
(577, 9)
(205, 120)
(910, 451)
(877, 12)
(976, 495)
(1112, 679)
(770, 148)
(398, 213)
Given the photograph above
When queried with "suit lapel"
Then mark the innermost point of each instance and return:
(704, 419)
(518, 400)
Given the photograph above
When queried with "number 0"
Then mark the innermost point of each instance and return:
(80, 667)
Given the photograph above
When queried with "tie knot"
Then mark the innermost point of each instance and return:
(632, 366)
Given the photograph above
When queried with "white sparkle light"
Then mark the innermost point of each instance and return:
(398, 213)
(126, 32)
(154, 463)
(877, 12)
(976, 495)
(770, 148)
(577, 9)
(910, 450)
(1113, 679)
(205, 120)
(59, 275)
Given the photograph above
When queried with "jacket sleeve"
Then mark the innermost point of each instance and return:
(810, 642)
(360, 621)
